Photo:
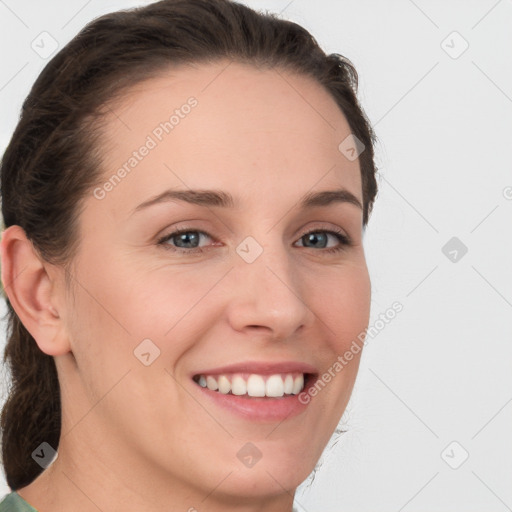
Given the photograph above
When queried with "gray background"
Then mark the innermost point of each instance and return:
(435, 384)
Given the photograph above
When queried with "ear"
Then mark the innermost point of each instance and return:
(32, 291)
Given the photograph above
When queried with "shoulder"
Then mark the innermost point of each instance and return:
(13, 502)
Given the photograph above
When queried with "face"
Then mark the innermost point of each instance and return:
(264, 285)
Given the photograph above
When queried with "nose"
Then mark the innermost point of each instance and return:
(268, 295)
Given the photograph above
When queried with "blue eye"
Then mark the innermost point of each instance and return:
(314, 236)
(184, 236)
(189, 236)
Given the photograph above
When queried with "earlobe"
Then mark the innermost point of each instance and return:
(29, 287)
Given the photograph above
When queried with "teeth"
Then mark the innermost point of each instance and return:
(275, 386)
(224, 385)
(288, 384)
(238, 386)
(298, 384)
(211, 383)
(255, 385)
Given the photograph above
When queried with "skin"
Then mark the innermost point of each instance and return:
(138, 437)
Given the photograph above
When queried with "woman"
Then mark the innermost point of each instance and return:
(184, 200)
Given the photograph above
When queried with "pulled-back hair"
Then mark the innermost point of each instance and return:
(54, 157)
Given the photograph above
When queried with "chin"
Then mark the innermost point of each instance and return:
(256, 483)
(275, 473)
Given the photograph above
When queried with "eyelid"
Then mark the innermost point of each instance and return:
(344, 239)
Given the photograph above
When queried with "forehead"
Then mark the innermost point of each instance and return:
(228, 125)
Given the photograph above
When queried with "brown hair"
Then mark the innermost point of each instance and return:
(54, 157)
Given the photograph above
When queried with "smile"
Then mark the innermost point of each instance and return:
(257, 391)
(254, 385)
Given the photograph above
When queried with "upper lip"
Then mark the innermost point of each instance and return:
(260, 367)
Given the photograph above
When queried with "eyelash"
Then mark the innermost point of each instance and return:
(342, 238)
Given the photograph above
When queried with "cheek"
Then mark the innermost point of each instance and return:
(123, 294)
(120, 303)
(106, 308)
(341, 299)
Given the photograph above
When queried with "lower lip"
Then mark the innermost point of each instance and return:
(265, 409)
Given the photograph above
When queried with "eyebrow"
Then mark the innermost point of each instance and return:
(223, 199)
